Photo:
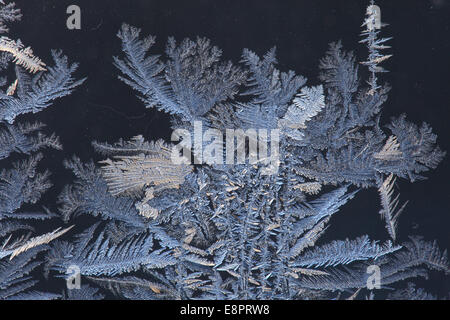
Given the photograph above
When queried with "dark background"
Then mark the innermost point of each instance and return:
(105, 109)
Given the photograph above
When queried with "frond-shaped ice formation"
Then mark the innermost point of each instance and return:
(163, 230)
(21, 183)
(37, 93)
(189, 84)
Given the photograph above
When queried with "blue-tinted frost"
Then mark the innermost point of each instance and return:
(219, 231)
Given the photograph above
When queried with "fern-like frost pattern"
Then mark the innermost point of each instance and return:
(164, 230)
